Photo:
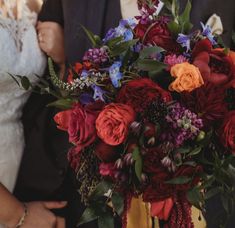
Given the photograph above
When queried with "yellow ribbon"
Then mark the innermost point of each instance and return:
(139, 216)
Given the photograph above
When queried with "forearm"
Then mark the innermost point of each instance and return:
(11, 209)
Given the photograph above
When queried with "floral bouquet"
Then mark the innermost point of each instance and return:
(150, 113)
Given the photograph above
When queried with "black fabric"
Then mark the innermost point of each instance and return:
(44, 173)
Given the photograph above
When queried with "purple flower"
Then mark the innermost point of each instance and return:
(86, 98)
(124, 29)
(182, 124)
(115, 74)
(184, 41)
(98, 93)
(96, 55)
(206, 31)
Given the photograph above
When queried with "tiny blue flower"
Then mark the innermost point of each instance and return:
(128, 35)
(84, 74)
(98, 93)
(184, 41)
(110, 35)
(206, 31)
(115, 74)
(129, 22)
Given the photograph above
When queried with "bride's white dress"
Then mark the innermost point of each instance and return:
(19, 55)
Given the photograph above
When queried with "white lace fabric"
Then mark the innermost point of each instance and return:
(19, 55)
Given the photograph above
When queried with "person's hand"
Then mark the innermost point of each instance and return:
(40, 216)
(51, 40)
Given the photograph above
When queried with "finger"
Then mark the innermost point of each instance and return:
(54, 205)
(60, 222)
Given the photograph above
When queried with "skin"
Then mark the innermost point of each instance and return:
(11, 209)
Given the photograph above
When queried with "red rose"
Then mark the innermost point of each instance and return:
(105, 152)
(140, 93)
(81, 127)
(215, 66)
(113, 122)
(208, 101)
(62, 119)
(157, 34)
(227, 131)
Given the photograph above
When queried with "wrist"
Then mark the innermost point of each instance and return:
(16, 217)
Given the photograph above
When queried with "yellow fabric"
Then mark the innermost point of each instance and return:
(139, 216)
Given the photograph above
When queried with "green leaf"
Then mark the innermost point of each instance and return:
(184, 18)
(195, 151)
(88, 215)
(138, 162)
(148, 51)
(122, 47)
(102, 188)
(194, 196)
(150, 65)
(25, 82)
(62, 104)
(184, 150)
(212, 192)
(106, 221)
(175, 8)
(118, 203)
(179, 180)
(112, 42)
(92, 37)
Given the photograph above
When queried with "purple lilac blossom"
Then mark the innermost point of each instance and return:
(96, 55)
(115, 74)
(183, 124)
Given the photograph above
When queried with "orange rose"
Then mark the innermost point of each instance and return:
(162, 209)
(62, 119)
(113, 122)
(188, 77)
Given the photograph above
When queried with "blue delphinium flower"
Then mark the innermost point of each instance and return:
(115, 74)
(206, 31)
(184, 41)
(124, 29)
(84, 74)
(98, 93)
(86, 98)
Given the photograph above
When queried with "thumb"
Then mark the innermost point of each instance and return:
(54, 204)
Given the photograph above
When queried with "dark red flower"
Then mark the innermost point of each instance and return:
(227, 131)
(190, 172)
(157, 34)
(214, 64)
(140, 93)
(208, 102)
(81, 126)
(105, 152)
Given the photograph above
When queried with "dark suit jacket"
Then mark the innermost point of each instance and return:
(44, 173)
